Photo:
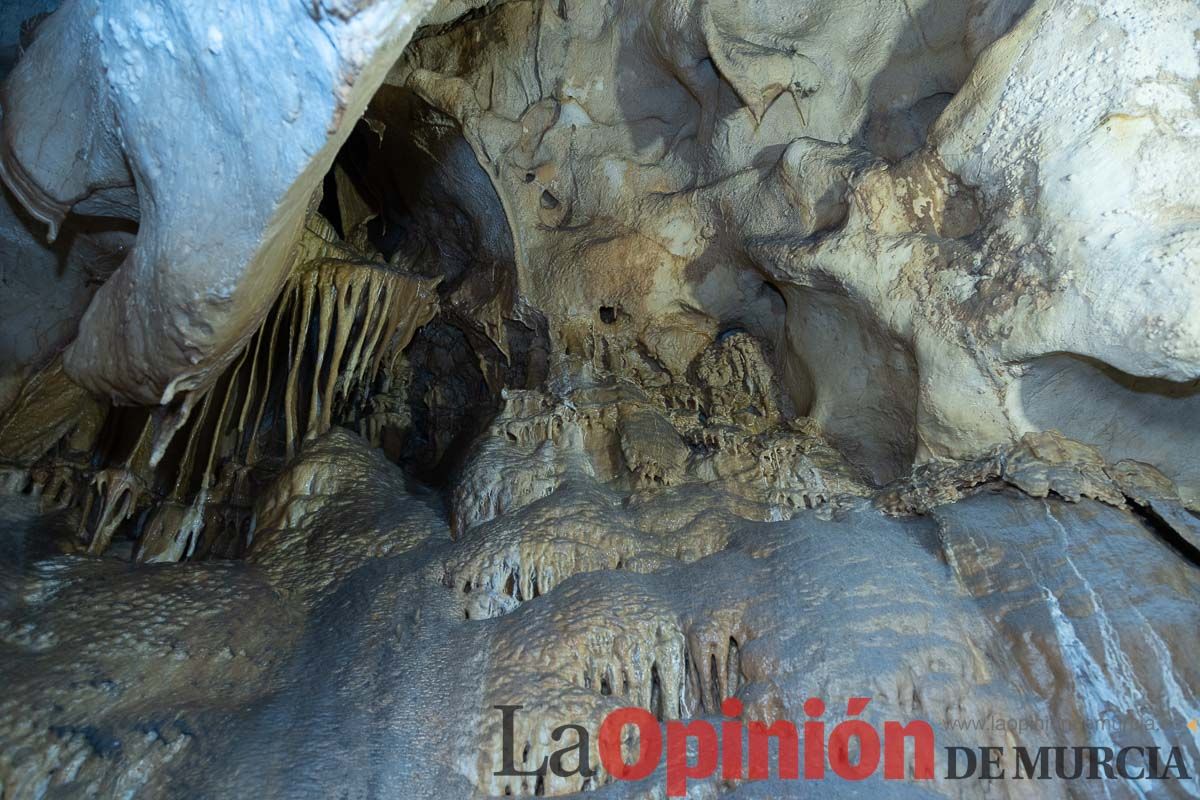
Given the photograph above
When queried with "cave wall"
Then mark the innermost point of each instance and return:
(683, 168)
(395, 360)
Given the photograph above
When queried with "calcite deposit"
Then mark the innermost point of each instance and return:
(393, 390)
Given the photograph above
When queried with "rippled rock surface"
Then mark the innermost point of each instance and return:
(388, 386)
(362, 647)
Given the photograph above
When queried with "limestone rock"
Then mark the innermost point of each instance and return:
(573, 355)
(217, 170)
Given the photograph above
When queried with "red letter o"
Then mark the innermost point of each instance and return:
(868, 749)
(649, 736)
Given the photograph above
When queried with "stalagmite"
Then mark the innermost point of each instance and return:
(453, 399)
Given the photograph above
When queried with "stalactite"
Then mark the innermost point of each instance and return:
(311, 364)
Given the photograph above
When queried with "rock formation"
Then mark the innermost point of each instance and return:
(393, 363)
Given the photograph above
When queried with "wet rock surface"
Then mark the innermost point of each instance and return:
(400, 360)
(363, 649)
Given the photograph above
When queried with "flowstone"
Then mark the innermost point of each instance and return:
(594, 597)
(412, 384)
